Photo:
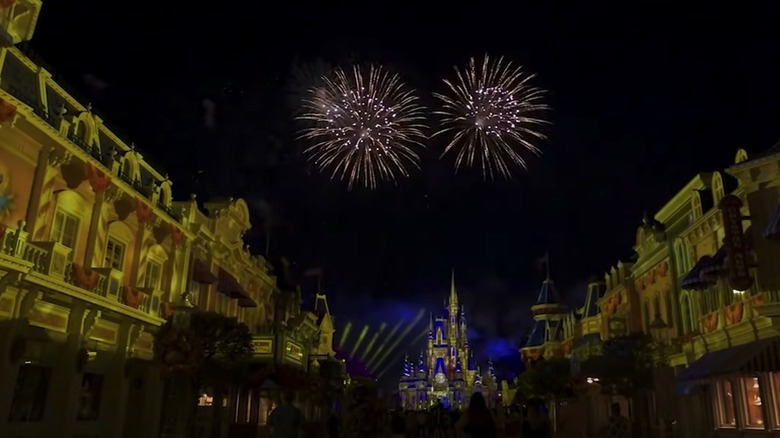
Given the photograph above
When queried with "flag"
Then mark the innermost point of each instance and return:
(543, 261)
(313, 272)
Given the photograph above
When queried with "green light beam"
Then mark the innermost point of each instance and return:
(344, 335)
(359, 341)
(371, 343)
(400, 338)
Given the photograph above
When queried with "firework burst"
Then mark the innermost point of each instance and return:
(492, 112)
(365, 126)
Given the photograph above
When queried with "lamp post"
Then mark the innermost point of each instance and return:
(176, 424)
(658, 325)
(181, 312)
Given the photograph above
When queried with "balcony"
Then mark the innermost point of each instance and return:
(152, 301)
(51, 259)
(169, 211)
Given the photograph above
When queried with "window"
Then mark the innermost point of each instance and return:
(724, 404)
(115, 254)
(669, 308)
(696, 205)
(222, 304)
(686, 314)
(775, 379)
(717, 188)
(31, 389)
(66, 229)
(754, 414)
(646, 316)
(153, 275)
(89, 400)
(681, 257)
(195, 293)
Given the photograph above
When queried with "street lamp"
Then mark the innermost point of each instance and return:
(182, 309)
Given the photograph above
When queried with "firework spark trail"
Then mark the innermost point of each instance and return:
(492, 113)
(365, 126)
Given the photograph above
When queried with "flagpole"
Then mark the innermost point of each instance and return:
(548, 265)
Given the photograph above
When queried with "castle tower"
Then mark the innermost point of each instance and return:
(547, 332)
(407, 386)
(452, 313)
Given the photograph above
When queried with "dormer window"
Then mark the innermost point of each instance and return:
(681, 256)
(717, 188)
(695, 206)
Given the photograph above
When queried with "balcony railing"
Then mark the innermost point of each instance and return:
(54, 260)
(106, 159)
(169, 211)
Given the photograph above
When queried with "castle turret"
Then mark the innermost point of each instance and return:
(407, 370)
(421, 366)
(547, 330)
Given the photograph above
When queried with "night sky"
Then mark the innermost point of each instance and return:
(643, 99)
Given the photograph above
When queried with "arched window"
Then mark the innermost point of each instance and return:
(696, 205)
(686, 314)
(668, 304)
(717, 188)
(681, 257)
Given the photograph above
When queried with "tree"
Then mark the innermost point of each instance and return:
(632, 360)
(213, 351)
(548, 380)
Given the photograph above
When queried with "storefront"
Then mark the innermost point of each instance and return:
(739, 388)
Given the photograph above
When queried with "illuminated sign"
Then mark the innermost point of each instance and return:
(293, 351)
(262, 346)
(735, 243)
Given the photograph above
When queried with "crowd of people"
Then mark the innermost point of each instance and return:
(476, 421)
(528, 420)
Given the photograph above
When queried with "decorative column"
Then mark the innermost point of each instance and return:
(115, 390)
(12, 345)
(63, 403)
(99, 182)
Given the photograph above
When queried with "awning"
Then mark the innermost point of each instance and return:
(716, 265)
(694, 279)
(773, 225)
(202, 274)
(246, 302)
(229, 286)
(761, 356)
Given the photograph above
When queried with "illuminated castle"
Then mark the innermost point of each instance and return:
(446, 372)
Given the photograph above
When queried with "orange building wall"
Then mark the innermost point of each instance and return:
(17, 170)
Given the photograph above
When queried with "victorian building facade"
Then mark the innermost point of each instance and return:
(93, 254)
(703, 284)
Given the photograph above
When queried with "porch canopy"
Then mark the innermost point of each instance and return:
(201, 273)
(230, 287)
(762, 356)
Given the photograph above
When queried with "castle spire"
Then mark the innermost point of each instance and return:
(453, 292)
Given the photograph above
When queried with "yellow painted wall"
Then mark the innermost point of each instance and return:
(17, 169)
